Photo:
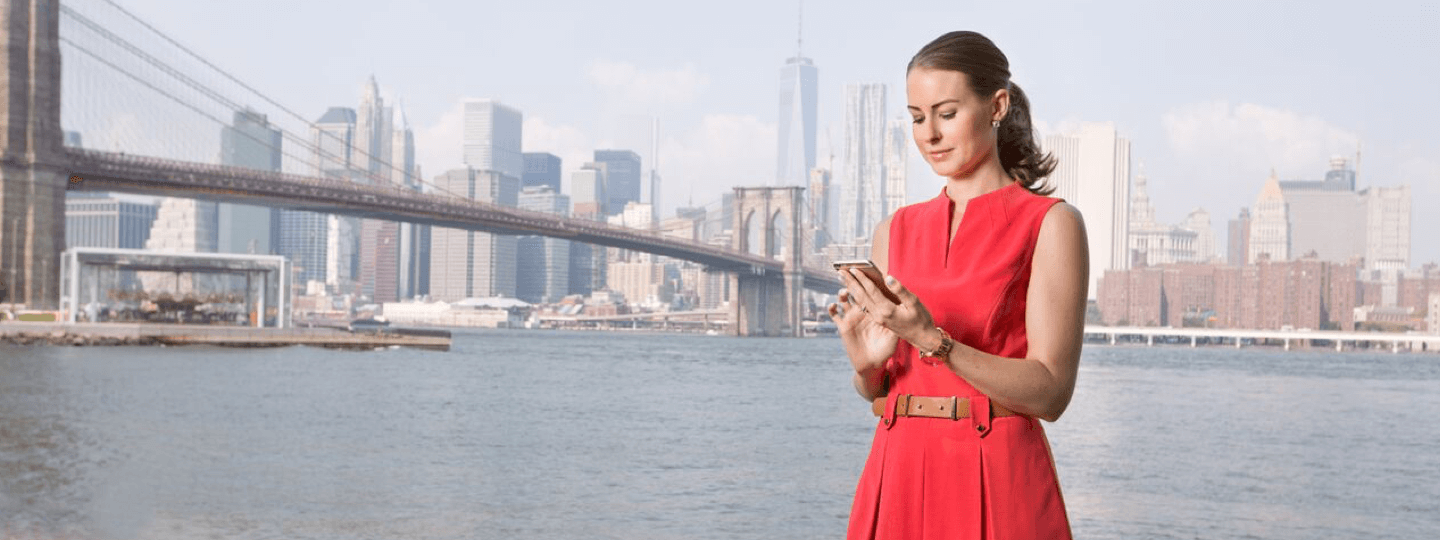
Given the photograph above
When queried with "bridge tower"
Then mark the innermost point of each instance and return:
(762, 305)
(32, 179)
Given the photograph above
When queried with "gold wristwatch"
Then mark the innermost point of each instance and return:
(943, 351)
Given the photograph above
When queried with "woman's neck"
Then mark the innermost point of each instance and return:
(988, 177)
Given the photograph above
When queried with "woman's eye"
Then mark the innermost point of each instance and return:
(918, 120)
(947, 116)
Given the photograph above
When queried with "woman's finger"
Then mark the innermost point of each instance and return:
(855, 291)
(870, 292)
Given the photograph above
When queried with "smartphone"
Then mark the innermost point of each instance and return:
(870, 271)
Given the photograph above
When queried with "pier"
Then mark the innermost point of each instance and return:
(88, 334)
(1285, 339)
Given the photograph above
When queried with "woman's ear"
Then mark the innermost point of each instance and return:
(1000, 103)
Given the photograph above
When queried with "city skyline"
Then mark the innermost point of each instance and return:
(1209, 129)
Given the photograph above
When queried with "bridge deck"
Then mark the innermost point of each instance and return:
(92, 170)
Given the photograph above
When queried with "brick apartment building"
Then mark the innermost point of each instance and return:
(1305, 293)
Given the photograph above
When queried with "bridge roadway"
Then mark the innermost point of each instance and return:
(92, 170)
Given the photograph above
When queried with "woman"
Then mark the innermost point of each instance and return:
(959, 452)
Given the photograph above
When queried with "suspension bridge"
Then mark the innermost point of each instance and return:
(67, 64)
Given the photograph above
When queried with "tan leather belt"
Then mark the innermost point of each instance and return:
(950, 407)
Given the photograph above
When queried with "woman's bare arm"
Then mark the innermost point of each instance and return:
(1041, 384)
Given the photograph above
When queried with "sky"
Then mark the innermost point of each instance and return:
(1213, 96)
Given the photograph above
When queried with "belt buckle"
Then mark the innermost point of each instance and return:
(954, 414)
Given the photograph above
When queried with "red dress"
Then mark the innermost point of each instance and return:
(932, 478)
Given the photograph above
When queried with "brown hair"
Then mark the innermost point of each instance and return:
(988, 71)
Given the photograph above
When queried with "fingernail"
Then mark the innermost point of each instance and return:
(889, 280)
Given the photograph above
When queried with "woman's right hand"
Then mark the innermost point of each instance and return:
(867, 342)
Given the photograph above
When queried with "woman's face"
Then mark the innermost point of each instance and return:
(952, 125)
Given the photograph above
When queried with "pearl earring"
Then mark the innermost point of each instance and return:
(995, 124)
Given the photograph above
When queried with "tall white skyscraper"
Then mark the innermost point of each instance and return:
(862, 169)
(1387, 227)
(372, 134)
(897, 147)
(1093, 174)
(799, 80)
(492, 135)
(1270, 224)
(342, 237)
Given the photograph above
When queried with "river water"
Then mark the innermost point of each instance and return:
(557, 435)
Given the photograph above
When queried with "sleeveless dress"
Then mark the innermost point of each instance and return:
(932, 478)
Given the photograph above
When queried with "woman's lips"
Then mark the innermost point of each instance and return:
(939, 154)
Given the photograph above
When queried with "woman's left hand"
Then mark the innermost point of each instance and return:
(909, 319)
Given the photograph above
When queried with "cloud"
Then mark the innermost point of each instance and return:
(1254, 138)
(633, 86)
(438, 145)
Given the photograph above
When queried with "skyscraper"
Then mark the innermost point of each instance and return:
(334, 140)
(589, 199)
(1387, 227)
(799, 80)
(252, 143)
(622, 178)
(821, 200)
(655, 171)
(414, 238)
(541, 169)
(543, 273)
(492, 135)
(304, 236)
(897, 147)
(1093, 173)
(862, 170)
(382, 244)
(587, 189)
(1270, 224)
(1326, 217)
(1237, 245)
(103, 220)
(468, 264)
(371, 152)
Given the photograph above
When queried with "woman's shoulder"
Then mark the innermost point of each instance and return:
(912, 211)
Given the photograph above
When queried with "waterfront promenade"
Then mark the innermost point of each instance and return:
(1285, 339)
